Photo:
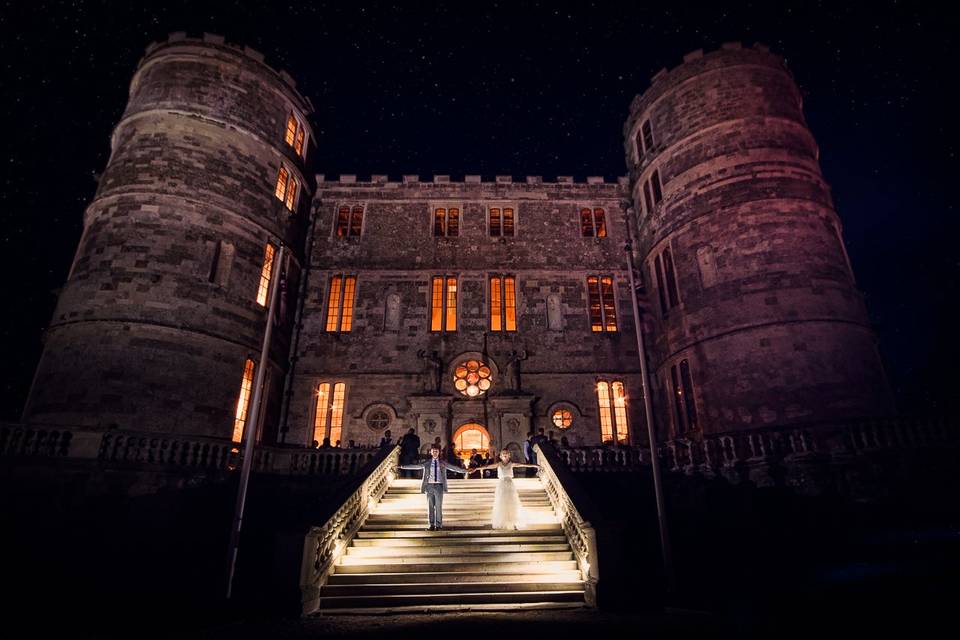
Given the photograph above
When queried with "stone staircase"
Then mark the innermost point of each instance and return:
(394, 564)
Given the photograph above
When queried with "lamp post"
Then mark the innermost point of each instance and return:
(253, 417)
(651, 436)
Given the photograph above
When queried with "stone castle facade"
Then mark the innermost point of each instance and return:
(470, 310)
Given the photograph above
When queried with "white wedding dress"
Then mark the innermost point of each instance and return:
(507, 512)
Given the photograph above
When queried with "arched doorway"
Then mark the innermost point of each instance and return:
(469, 437)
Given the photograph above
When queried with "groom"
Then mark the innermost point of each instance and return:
(434, 484)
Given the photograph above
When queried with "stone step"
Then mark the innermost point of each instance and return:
(463, 558)
(484, 532)
(495, 566)
(477, 526)
(453, 577)
(452, 550)
(451, 608)
(403, 543)
(506, 597)
(438, 588)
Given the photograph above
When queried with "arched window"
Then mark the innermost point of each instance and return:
(612, 401)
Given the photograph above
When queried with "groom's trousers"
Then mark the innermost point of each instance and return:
(435, 504)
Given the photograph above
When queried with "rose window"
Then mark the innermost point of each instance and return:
(562, 418)
(472, 378)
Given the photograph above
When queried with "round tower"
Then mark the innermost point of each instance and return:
(757, 319)
(166, 299)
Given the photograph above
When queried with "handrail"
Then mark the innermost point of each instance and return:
(571, 504)
(324, 545)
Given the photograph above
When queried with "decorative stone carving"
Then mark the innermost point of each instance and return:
(391, 313)
(554, 313)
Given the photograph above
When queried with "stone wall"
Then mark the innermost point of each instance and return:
(769, 318)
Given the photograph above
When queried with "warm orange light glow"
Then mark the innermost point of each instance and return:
(606, 419)
(603, 307)
(562, 418)
(470, 437)
(510, 300)
(281, 190)
(346, 322)
(298, 145)
(333, 303)
(436, 305)
(291, 130)
(472, 378)
(265, 273)
(496, 317)
(609, 305)
(440, 222)
(508, 222)
(596, 313)
(451, 304)
(453, 222)
(600, 222)
(343, 221)
(291, 193)
(320, 419)
(336, 412)
(586, 223)
(495, 221)
(620, 411)
(241, 414)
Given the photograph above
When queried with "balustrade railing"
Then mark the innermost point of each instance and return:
(325, 544)
(570, 505)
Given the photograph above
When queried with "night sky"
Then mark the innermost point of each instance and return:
(510, 88)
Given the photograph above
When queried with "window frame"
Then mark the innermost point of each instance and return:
(341, 302)
(446, 206)
(445, 315)
(351, 207)
(603, 308)
(503, 306)
(594, 229)
(284, 195)
(684, 412)
(612, 413)
(501, 206)
(328, 414)
(300, 132)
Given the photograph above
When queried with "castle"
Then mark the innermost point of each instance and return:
(468, 310)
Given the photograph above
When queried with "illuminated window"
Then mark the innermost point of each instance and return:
(562, 418)
(501, 222)
(684, 405)
(295, 134)
(503, 303)
(646, 133)
(443, 303)
(472, 378)
(328, 416)
(349, 221)
(287, 188)
(657, 187)
(243, 401)
(265, 275)
(446, 222)
(593, 222)
(613, 411)
(666, 276)
(340, 303)
(603, 306)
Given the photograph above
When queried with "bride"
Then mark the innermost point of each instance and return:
(507, 513)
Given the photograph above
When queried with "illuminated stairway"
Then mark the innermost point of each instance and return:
(395, 564)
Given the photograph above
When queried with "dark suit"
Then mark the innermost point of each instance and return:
(434, 484)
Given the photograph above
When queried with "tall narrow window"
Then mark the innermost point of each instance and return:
(503, 303)
(593, 223)
(639, 143)
(671, 278)
(246, 384)
(646, 196)
(287, 187)
(685, 408)
(349, 221)
(613, 412)
(647, 133)
(340, 304)
(443, 303)
(660, 290)
(295, 134)
(686, 383)
(446, 221)
(657, 187)
(266, 272)
(508, 225)
(501, 222)
(495, 226)
(603, 306)
(620, 410)
(328, 420)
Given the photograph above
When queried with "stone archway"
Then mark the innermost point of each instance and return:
(469, 436)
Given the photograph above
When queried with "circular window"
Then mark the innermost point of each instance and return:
(378, 420)
(562, 418)
(472, 378)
